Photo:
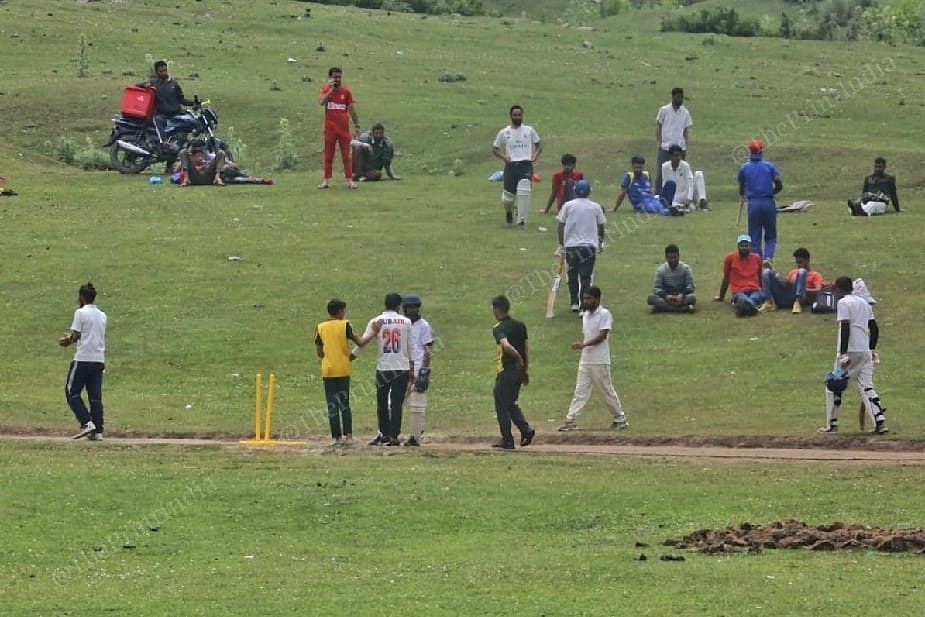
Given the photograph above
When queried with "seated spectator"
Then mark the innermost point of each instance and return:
(372, 153)
(799, 289)
(563, 183)
(690, 186)
(638, 186)
(879, 190)
(198, 169)
(742, 275)
(673, 290)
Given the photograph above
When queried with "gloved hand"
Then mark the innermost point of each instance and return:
(423, 381)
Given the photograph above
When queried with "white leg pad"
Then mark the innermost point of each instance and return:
(524, 189)
(507, 199)
(700, 187)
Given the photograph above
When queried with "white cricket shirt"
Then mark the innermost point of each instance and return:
(673, 122)
(517, 142)
(421, 336)
(581, 216)
(857, 312)
(684, 179)
(91, 323)
(591, 326)
(393, 340)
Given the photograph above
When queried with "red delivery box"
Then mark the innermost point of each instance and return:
(138, 102)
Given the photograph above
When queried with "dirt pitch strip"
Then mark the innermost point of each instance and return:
(791, 533)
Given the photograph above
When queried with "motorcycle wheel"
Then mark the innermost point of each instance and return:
(127, 162)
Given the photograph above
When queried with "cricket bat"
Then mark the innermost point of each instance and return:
(554, 290)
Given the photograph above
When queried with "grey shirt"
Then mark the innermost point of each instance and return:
(680, 279)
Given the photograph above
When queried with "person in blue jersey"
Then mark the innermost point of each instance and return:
(637, 185)
(759, 182)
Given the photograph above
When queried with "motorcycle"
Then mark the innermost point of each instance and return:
(135, 143)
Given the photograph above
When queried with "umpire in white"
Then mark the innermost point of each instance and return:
(422, 342)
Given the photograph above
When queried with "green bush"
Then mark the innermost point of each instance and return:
(64, 150)
(719, 20)
(91, 158)
(433, 7)
(286, 157)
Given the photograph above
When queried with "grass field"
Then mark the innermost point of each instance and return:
(222, 531)
(301, 532)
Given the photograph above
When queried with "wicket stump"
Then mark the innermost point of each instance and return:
(263, 428)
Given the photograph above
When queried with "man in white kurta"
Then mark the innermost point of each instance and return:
(594, 364)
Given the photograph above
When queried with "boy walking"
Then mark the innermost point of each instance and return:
(511, 338)
(88, 330)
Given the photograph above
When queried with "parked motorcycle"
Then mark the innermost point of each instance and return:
(137, 141)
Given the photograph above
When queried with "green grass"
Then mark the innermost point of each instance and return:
(266, 533)
(189, 329)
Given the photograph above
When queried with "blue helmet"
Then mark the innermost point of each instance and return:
(582, 188)
(837, 380)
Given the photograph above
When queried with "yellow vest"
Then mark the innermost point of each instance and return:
(336, 360)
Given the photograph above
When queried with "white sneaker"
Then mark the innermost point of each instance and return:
(832, 428)
(576, 308)
(348, 440)
(95, 437)
(619, 425)
(338, 441)
(568, 426)
(85, 430)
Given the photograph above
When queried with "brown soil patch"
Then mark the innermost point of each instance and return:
(791, 533)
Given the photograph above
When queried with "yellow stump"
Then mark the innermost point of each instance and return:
(263, 428)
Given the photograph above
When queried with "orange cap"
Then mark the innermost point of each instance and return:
(755, 146)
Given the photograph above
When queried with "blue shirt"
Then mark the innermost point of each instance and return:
(757, 176)
(638, 187)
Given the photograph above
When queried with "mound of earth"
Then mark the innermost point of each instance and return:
(791, 533)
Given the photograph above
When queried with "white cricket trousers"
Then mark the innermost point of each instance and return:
(417, 401)
(596, 377)
(861, 372)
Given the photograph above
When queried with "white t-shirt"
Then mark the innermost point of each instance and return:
(684, 179)
(581, 216)
(393, 341)
(517, 142)
(421, 336)
(591, 326)
(857, 312)
(673, 122)
(91, 323)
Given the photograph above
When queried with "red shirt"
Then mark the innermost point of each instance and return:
(813, 279)
(336, 117)
(742, 274)
(558, 182)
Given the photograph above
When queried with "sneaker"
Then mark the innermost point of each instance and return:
(832, 428)
(504, 445)
(352, 185)
(348, 440)
(378, 441)
(704, 205)
(527, 438)
(390, 441)
(881, 428)
(509, 217)
(576, 308)
(85, 430)
(411, 441)
(568, 426)
(521, 223)
(690, 308)
(95, 437)
(338, 441)
(767, 306)
(619, 425)
(797, 309)
(324, 185)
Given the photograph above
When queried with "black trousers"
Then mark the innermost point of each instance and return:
(337, 393)
(390, 396)
(515, 172)
(507, 389)
(87, 375)
(580, 261)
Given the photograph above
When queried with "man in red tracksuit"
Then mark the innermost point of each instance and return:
(337, 101)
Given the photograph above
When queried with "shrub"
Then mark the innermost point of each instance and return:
(719, 20)
(91, 158)
(286, 157)
(237, 146)
(64, 150)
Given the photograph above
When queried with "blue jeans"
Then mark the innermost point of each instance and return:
(762, 216)
(667, 192)
(754, 296)
(783, 292)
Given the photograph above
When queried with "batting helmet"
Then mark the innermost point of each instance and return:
(582, 188)
(836, 380)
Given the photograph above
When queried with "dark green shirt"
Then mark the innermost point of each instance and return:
(516, 334)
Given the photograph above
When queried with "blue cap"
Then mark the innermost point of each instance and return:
(582, 188)
(744, 238)
(411, 300)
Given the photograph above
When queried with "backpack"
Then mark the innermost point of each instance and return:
(825, 301)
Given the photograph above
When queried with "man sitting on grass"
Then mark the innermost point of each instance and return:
(879, 190)
(797, 290)
(673, 290)
(742, 274)
(637, 185)
(372, 153)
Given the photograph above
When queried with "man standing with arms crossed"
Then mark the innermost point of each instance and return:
(511, 338)
(858, 335)
(594, 365)
(422, 341)
(337, 101)
(88, 330)
(394, 369)
(671, 124)
(518, 145)
(581, 235)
